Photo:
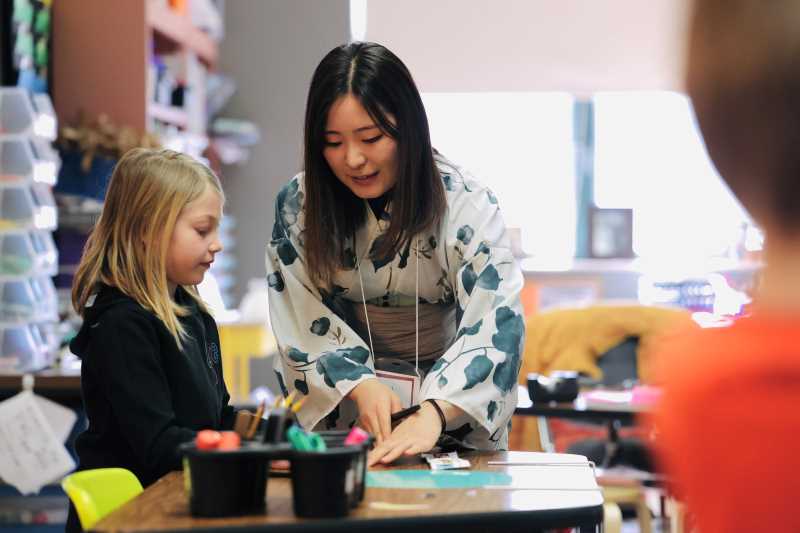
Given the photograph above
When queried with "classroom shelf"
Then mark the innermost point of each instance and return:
(177, 31)
(170, 114)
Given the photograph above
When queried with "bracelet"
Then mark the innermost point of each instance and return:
(439, 412)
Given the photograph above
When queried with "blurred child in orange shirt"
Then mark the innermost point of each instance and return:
(729, 422)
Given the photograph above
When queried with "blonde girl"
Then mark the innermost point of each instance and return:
(151, 373)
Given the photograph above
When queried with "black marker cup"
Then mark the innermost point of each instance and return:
(229, 482)
(323, 483)
(335, 438)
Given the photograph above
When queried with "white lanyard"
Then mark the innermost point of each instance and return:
(416, 311)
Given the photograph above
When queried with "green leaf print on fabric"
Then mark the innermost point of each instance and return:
(448, 183)
(337, 366)
(469, 278)
(289, 202)
(438, 364)
(359, 354)
(491, 410)
(505, 375)
(491, 196)
(286, 251)
(465, 234)
(510, 331)
(275, 281)
(278, 231)
(489, 278)
(442, 382)
(297, 356)
(281, 384)
(301, 385)
(404, 256)
(349, 260)
(378, 262)
(472, 330)
(320, 326)
(335, 301)
(447, 295)
(477, 371)
(483, 248)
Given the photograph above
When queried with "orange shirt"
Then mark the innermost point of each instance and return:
(728, 426)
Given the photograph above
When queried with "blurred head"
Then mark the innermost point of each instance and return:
(366, 135)
(157, 230)
(744, 80)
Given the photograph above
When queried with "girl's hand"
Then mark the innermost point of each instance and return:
(416, 434)
(376, 402)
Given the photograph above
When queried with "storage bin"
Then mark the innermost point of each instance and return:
(28, 300)
(22, 348)
(27, 207)
(25, 113)
(27, 253)
(27, 160)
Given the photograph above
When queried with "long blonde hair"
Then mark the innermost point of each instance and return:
(128, 245)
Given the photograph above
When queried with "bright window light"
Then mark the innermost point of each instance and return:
(650, 156)
(521, 146)
(358, 20)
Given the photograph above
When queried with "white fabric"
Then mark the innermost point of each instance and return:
(467, 260)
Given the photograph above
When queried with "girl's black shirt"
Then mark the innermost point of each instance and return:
(142, 394)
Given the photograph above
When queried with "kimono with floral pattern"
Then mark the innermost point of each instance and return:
(467, 261)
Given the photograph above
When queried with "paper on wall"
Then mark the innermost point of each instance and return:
(31, 452)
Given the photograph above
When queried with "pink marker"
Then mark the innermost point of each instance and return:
(356, 436)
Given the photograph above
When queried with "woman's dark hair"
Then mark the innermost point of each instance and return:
(384, 86)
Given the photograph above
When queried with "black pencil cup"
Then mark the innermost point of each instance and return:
(228, 482)
(323, 483)
(334, 439)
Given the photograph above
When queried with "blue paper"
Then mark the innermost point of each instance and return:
(446, 479)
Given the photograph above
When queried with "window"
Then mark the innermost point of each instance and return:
(649, 156)
(521, 146)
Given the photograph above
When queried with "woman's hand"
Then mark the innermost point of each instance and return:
(416, 434)
(376, 402)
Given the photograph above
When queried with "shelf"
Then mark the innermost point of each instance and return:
(177, 31)
(81, 222)
(169, 114)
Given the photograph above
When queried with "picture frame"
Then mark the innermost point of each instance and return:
(610, 233)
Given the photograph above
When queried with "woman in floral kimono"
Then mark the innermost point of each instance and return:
(383, 248)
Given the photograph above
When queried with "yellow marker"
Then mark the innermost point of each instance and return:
(289, 399)
(298, 404)
(277, 402)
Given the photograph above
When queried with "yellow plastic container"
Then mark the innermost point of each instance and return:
(239, 342)
(95, 493)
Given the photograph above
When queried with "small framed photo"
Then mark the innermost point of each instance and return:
(610, 233)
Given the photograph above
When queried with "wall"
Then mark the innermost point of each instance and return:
(271, 48)
(534, 45)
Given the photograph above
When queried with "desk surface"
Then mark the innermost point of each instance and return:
(164, 505)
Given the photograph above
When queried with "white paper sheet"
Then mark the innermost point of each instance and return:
(31, 452)
(61, 419)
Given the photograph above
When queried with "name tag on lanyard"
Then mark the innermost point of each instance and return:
(401, 377)
(406, 387)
